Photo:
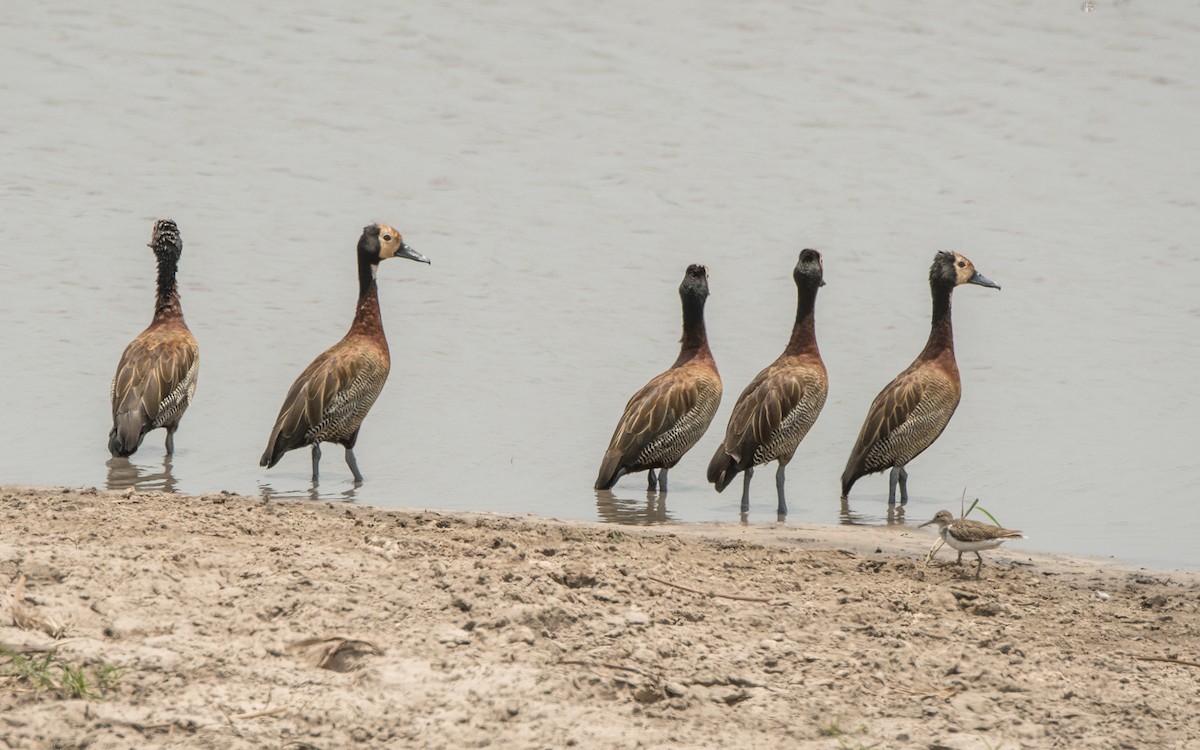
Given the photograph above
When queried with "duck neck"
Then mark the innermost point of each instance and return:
(941, 331)
(367, 319)
(694, 343)
(166, 298)
(804, 332)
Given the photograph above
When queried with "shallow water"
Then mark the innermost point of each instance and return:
(561, 166)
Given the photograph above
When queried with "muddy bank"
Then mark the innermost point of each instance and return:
(223, 621)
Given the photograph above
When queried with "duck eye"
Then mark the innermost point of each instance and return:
(388, 238)
(961, 264)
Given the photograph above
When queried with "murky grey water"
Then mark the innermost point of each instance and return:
(561, 165)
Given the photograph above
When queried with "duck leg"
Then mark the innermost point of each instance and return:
(782, 509)
(651, 481)
(746, 489)
(898, 476)
(316, 456)
(662, 480)
(353, 464)
(170, 441)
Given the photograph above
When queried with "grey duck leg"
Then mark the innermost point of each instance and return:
(316, 455)
(353, 464)
(898, 476)
(782, 509)
(170, 441)
(746, 489)
(651, 480)
(662, 480)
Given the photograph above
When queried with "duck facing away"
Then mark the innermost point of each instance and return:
(967, 536)
(912, 410)
(156, 376)
(330, 399)
(782, 402)
(669, 414)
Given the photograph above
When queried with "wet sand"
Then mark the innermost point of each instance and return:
(472, 630)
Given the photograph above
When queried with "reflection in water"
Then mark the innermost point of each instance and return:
(268, 493)
(122, 475)
(745, 517)
(895, 516)
(632, 512)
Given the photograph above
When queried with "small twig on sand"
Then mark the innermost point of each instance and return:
(735, 597)
(229, 719)
(260, 714)
(583, 663)
(1168, 660)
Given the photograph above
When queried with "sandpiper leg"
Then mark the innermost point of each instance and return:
(782, 509)
(651, 481)
(746, 489)
(170, 441)
(978, 565)
(662, 480)
(316, 455)
(353, 464)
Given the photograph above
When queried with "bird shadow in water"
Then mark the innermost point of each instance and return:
(632, 512)
(123, 475)
(268, 493)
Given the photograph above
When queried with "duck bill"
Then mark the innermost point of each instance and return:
(981, 280)
(406, 251)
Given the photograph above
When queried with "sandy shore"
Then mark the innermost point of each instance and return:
(223, 621)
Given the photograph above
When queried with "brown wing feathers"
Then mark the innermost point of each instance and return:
(153, 386)
(645, 435)
(330, 398)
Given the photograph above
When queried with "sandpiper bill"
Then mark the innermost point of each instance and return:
(967, 536)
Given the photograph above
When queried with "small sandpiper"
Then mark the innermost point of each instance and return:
(968, 536)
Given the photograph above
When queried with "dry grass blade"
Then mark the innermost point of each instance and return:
(620, 667)
(1168, 660)
(736, 597)
(26, 617)
(260, 714)
(334, 652)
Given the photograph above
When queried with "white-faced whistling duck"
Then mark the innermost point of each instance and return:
(909, 414)
(329, 400)
(783, 401)
(670, 413)
(156, 376)
(968, 536)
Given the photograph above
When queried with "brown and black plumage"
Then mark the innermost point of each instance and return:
(909, 414)
(670, 413)
(330, 399)
(782, 402)
(156, 376)
(968, 536)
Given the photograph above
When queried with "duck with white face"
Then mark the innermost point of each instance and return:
(911, 412)
(331, 398)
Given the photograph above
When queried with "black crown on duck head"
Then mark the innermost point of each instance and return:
(809, 268)
(165, 240)
(695, 281)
